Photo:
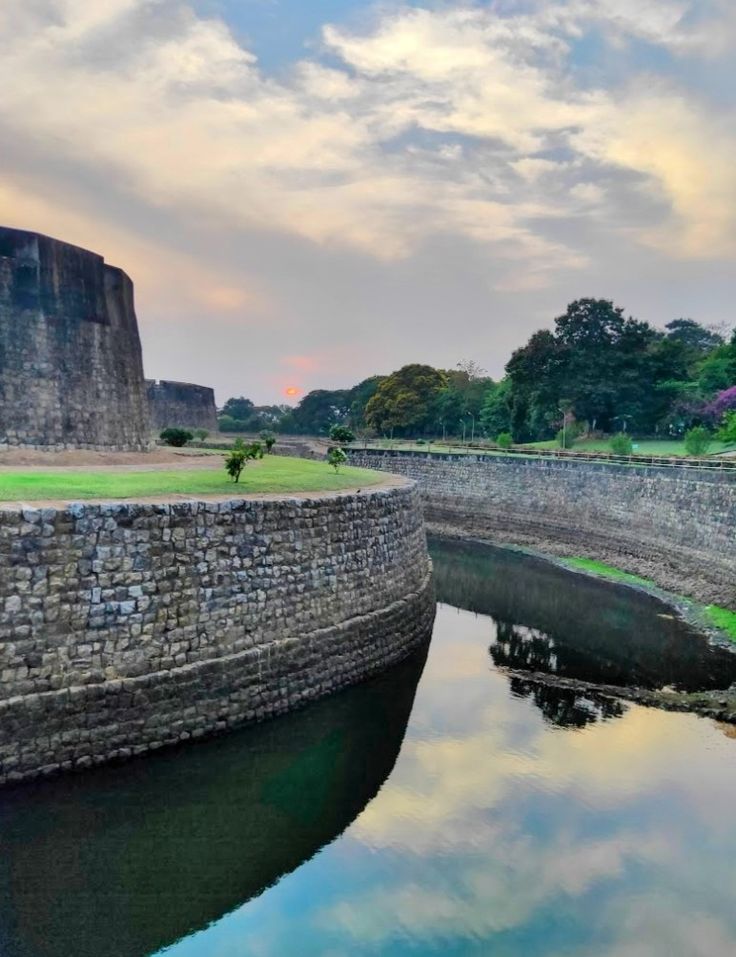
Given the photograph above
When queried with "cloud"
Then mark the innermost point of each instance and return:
(466, 126)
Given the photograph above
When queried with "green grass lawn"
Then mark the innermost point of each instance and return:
(270, 474)
(641, 446)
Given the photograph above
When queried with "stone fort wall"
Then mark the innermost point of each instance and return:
(673, 525)
(127, 627)
(71, 370)
(181, 404)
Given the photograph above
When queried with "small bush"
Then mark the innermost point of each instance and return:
(342, 434)
(697, 440)
(727, 431)
(504, 440)
(254, 450)
(421, 442)
(176, 437)
(235, 463)
(201, 434)
(269, 440)
(621, 444)
(336, 457)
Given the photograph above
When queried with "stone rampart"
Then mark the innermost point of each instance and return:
(181, 404)
(126, 627)
(673, 525)
(71, 370)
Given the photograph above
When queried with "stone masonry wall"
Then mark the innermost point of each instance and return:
(181, 404)
(674, 525)
(71, 369)
(127, 627)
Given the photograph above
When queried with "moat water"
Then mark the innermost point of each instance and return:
(445, 808)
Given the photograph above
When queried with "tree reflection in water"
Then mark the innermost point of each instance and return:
(551, 620)
(567, 707)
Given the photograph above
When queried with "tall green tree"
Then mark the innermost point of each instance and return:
(406, 400)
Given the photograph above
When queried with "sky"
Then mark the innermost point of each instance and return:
(309, 193)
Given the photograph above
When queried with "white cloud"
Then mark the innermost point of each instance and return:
(183, 116)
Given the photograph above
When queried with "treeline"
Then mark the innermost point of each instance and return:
(597, 370)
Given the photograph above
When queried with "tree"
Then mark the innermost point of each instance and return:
(176, 437)
(695, 338)
(495, 414)
(342, 434)
(718, 370)
(405, 400)
(358, 398)
(235, 463)
(336, 457)
(318, 411)
(240, 409)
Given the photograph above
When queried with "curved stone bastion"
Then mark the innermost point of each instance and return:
(674, 525)
(127, 627)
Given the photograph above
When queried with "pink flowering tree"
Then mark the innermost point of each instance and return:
(724, 402)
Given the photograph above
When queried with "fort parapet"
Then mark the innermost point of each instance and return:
(126, 627)
(71, 369)
(674, 525)
(181, 404)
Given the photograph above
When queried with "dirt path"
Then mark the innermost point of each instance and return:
(102, 461)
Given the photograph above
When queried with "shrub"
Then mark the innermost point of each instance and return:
(504, 440)
(697, 440)
(336, 457)
(621, 444)
(421, 442)
(269, 440)
(235, 463)
(727, 431)
(254, 450)
(176, 437)
(201, 434)
(342, 434)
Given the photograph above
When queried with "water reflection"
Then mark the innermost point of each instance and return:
(566, 707)
(511, 823)
(121, 861)
(548, 619)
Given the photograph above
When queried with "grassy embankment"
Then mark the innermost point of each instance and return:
(664, 447)
(724, 619)
(657, 447)
(271, 474)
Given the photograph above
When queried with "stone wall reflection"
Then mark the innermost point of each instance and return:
(123, 861)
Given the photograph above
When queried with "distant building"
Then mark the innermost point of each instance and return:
(181, 404)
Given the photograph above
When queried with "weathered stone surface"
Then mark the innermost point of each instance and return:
(71, 371)
(181, 404)
(131, 626)
(673, 525)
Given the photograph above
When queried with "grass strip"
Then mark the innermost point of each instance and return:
(273, 474)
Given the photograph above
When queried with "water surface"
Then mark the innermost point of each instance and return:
(514, 821)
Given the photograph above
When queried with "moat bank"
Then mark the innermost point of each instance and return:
(674, 526)
(127, 627)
